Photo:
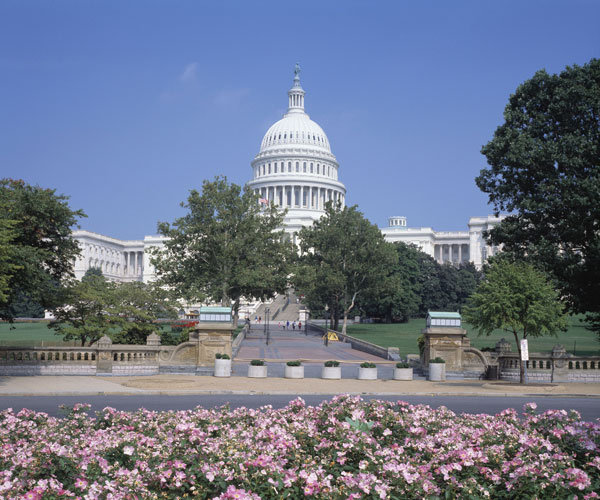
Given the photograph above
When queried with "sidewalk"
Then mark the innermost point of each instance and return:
(189, 384)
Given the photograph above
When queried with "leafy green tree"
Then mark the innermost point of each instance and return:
(517, 298)
(134, 309)
(342, 257)
(544, 169)
(397, 296)
(92, 271)
(83, 314)
(36, 248)
(226, 247)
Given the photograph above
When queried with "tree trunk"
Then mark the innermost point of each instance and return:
(236, 313)
(346, 312)
(521, 365)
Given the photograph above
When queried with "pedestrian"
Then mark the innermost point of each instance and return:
(294, 325)
(299, 325)
(279, 325)
(259, 319)
(256, 319)
(287, 325)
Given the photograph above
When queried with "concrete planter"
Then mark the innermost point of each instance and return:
(294, 371)
(332, 372)
(257, 371)
(437, 372)
(403, 373)
(222, 368)
(367, 373)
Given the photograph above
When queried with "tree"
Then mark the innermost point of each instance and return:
(92, 271)
(517, 298)
(36, 248)
(226, 247)
(83, 314)
(134, 309)
(544, 168)
(342, 257)
(397, 297)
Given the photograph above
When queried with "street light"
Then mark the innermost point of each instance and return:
(326, 325)
(267, 330)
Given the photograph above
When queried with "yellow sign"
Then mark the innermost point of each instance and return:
(331, 335)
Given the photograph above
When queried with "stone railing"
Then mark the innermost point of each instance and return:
(103, 358)
(557, 366)
(358, 344)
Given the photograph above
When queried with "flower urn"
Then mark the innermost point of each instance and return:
(222, 368)
(367, 373)
(437, 371)
(255, 371)
(332, 372)
(294, 371)
(403, 373)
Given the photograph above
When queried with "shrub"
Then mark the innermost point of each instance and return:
(402, 365)
(437, 360)
(366, 364)
(331, 363)
(257, 362)
(294, 363)
(222, 356)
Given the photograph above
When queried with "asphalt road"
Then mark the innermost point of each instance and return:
(589, 408)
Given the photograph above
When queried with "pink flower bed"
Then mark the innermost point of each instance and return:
(345, 448)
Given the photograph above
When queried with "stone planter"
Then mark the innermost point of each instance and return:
(222, 368)
(332, 372)
(367, 373)
(257, 371)
(437, 372)
(403, 373)
(294, 371)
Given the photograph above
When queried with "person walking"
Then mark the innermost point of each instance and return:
(294, 325)
(299, 325)
(287, 325)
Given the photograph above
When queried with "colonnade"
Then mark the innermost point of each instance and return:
(301, 196)
(453, 253)
(134, 263)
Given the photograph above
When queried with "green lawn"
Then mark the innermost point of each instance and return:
(404, 336)
(29, 334)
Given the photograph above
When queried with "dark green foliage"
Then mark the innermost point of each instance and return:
(92, 271)
(23, 307)
(544, 169)
(36, 248)
(343, 258)
(226, 247)
(366, 364)
(518, 298)
(331, 363)
(294, 363)
(257, 362)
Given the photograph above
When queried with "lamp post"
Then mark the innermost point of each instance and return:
(326, 325)
(267, 330)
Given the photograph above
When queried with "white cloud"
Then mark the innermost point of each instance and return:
(189, 73)
(229, 98)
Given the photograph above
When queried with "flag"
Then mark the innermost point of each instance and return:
(263, 201)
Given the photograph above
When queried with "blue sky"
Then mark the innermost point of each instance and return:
(126, 106)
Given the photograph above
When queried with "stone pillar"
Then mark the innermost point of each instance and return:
(104, 358)
(460, 253)
(560, 364)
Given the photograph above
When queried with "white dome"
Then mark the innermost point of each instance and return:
(295, 168)
(295, 128)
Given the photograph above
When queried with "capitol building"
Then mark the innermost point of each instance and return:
(295, 169)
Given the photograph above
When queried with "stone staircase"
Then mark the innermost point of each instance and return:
(285, 307)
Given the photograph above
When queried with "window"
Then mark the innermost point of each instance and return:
(280, 136)
(297, 167)
(285, 136)
(318, 169)
(275, 167)
(289, 166)
(304, 167)
(269, 168)
(311, 168)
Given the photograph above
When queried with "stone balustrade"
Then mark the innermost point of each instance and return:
(557, 366)
(104, 358)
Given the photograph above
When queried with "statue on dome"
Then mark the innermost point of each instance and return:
(297, 70)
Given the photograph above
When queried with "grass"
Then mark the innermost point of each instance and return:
(25, 334)
(576, 339)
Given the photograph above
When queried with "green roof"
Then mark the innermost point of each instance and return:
(215, 310)
(444, 315)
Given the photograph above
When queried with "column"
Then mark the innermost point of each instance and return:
(460, 253)
(302, 196)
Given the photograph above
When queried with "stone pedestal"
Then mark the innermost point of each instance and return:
(211, 339)
(446, 343)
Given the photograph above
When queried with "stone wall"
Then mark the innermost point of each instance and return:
(104, 358)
